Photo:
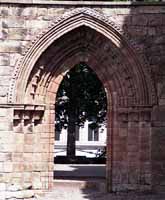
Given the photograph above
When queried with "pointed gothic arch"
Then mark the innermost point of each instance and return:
(63, 25)
(86, 35)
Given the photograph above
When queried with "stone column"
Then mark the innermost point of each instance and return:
(145, 141)
(6, 149)
(119, 152)
(23, 173)
(158, 148)
(133, 148)
(48, 140)
(131, 152)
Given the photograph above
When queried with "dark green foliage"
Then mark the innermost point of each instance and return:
(82, 93)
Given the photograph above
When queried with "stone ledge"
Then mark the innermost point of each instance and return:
(22, 106)
(82, 3)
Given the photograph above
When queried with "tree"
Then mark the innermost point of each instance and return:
(81, 96)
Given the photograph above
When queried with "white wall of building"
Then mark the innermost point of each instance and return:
(84, 147)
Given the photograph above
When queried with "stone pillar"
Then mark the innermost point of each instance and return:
(109, 148)
(131, 152)
(6, 149)
(48, 140)
(133, 147)
(23, 174)
(145, 149)
(158, 148)
(119, 152)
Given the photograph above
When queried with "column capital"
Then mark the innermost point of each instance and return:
(138, 113)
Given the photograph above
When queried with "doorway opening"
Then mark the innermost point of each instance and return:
(80, 125)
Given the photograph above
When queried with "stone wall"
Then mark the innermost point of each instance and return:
(20, 24)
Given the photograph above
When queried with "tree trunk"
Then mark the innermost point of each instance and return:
(71, 140)
(72, 117)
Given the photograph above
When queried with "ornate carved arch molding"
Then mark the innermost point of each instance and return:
(85, 44)
(63, 25)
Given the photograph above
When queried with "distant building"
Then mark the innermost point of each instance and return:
(88, 141)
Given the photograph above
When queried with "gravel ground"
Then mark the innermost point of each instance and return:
(69, 193)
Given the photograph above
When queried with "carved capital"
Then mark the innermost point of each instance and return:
(26, 116)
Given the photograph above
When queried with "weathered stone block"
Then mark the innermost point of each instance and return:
(19, 138)
(6, 147)
(17, 33)
(158, 141)
(29, 12)
(1, 167)
(27, 177)
(45, 157)
(17, 157)
(38, 157)
(138, 31)
(52, 12)
(6, 126)
(158, 114)
(18, 167)
(2, 187)
(37, 184)
(5, 11)
(5, 70)
(4, 81)
(139, 20)
(3, 195)
(14, 57)
(29, 148)
(152, 31)
(14, 187)
(27, 157)
(29, 139)
(5, 112)
(41, 12)
(28, 167)
(4, 59)
(7, 138)
(8, 167)
(40, 166)
(152, 21)
(37, 24)
(10, 46)
(13, 22)
(19, 148)
(5, 157)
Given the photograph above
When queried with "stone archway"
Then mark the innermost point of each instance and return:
(84, 35)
